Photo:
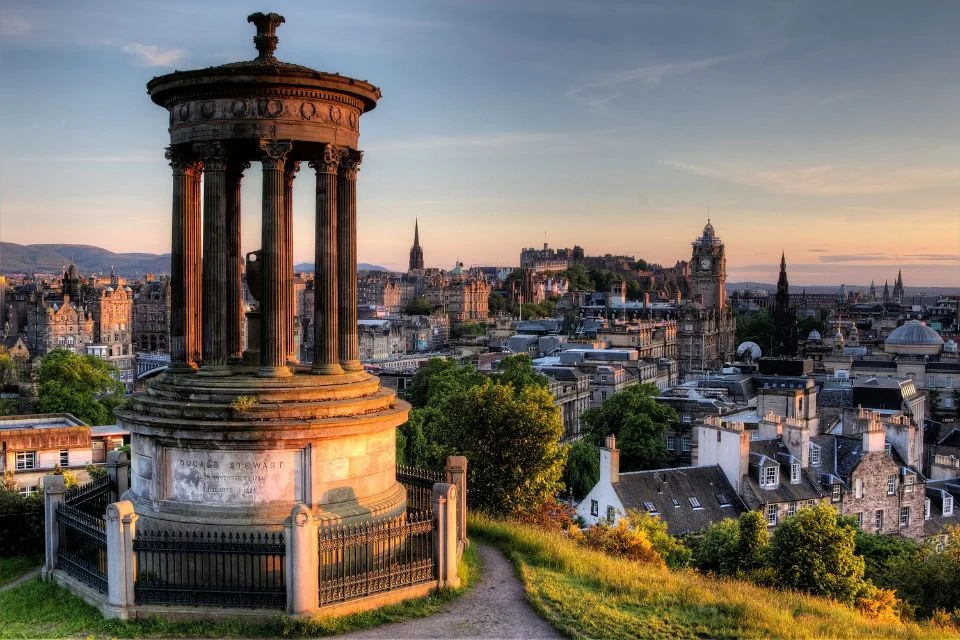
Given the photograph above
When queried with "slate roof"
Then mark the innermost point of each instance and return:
(952, 439)
(755, 496)
(562, 373)
(670, 491)
(840, 455)
(937, 521)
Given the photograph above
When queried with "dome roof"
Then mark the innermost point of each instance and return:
(814, 335)
(914, 337)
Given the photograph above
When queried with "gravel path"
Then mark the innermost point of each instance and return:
(496, 607)
(30, 575)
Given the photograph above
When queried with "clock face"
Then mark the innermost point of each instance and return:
(705, 264)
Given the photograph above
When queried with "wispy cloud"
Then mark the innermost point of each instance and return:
(827, 179)
(107, 159)
(153, 56)
(12, 25)
(493, 140)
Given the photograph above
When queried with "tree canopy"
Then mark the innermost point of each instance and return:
(418, 307)
(637, 420)
(84, 386)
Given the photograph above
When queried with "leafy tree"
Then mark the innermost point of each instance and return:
(418, 307)
(634, 290)
(8, 368)
(717, 548)
(603, 279)
(582, 470)
(517, 370)
(641, 265)
(880, 552)
(753, 542)
(806, 325)
(439, 378)
(756, 327)
(512, 441)
(637, 420)
(84, 386)
(468, 330)
(929, 580)
(578, 278)
(496, 303)
(814, 552)
(671, 549)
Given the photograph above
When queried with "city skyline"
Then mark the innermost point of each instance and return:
(814, 130)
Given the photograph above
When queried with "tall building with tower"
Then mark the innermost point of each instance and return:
(416, 252)
(708, 270)
(784, 319)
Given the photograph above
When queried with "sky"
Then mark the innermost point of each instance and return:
(827, 130)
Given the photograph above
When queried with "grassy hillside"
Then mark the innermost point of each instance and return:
(588, 594)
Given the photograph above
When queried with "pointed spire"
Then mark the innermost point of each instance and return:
(416, 232)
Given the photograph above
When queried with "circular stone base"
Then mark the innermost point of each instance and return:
(241, 451)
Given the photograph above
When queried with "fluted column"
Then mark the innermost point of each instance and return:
(289, 304)
(326, 358)
(349, 345)
(214, 257)
(273, 353)
(184, 167)
(194, 276)
(234, 285)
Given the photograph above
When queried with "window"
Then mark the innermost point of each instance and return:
(64, 458)
(25, 491)
(26, 460)
(891, 485)
(594, 508)
(676, 503)
(694, 502)
(878, 520)
(792, 509)
(926, 509)
(886, 448)
(685, 444)
(771, 515)
(835, 493)
(858, 487)
(795, 472)
(904, 516)
(718, 435)
(671, 443)
(859, 515)
(611, 514)
(814, 455)
(769, 476)
(723, 500)
(947, 504)
(649, 506)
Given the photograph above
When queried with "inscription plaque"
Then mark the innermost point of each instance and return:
(231, 477)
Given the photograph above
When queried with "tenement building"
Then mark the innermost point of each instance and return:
(151, 316)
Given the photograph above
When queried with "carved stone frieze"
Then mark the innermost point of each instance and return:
(296, 109)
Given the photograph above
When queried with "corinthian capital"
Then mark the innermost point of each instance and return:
(213, 155)
(330, 160)
(181, 160)
(275, 153)
(290, 172)
(236, 168)
(350, 165)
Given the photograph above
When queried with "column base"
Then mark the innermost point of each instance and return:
(182, 367)
(352, 365)
(292, 360)
(327, 369)
(215, 371)
(235, 359)
(274, 372)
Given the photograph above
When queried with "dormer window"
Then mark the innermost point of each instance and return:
(947, 504)
(769, 476)
(795, 472)
(814, 455)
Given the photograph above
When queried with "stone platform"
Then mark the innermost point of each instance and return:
(237, 452)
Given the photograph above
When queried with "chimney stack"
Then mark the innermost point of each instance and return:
(874, 435)
(610, 460)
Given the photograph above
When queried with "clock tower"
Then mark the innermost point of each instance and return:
(708, 270)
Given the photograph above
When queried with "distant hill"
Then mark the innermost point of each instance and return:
(820, 288)
(307, 267)
(50, 258)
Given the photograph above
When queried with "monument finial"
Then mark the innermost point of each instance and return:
(266, 39)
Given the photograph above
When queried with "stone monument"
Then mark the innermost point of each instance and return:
(235, 435)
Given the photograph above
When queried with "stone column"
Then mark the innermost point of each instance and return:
(195, 277)
(121, 564)
(289, 303)
(273, 353)
(326, 359)
(181, 261)
(445, 535)
(214, 257)
(53, 490)
(349, 346)
(234, 284)
(302, 560)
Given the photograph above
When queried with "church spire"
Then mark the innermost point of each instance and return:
(416, 253)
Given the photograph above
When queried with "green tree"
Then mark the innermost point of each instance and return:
(637, 420)
(84, 386)
(634, 290)
(671, 549)
(929, 579)
(8, 368)
(512, 443)
(880, 552)
(603, 279)
(717, 548)
(517, 370)
(582, 470)
(439, 378)
(418, 307)
(756, 326)
(496, 303)
(806, 325)
(578, 278)
(753, 543)
(814, 552)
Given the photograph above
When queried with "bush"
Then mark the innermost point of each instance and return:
(622, 540)
(551, 515)
(21, 523)
(674, 552)
(717, 550)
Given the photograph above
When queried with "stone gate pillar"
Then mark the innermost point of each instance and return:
(326, 358)
(273, 354)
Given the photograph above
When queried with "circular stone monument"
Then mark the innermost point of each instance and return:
(235, 435)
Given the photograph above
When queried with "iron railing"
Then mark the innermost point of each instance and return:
(91, 498)
(419, 484)
(362, 559)
(223, 569)
(83, 546)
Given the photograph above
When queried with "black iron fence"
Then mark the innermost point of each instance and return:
(362, 559)
(222, 569)
(91, 498)
(83, 546)
(419, 484)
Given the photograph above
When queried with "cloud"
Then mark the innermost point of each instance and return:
(12, 25)
(493, 140)
(826, 179)
(153, 56)
(108, 159)
(835, 258)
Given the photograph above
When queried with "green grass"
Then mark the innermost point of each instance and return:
(38, 609)
(13, 567)
(588, 594)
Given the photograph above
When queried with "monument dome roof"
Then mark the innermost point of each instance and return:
(914, 337)
(814, 335)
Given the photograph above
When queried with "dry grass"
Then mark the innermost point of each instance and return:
(588, 594)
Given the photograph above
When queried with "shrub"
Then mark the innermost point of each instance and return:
(243, 404)
(551, 515)
(622, 540)
(671, 549)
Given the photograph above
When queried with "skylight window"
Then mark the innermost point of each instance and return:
(649, 506)
(723, 500)
(694, 502)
